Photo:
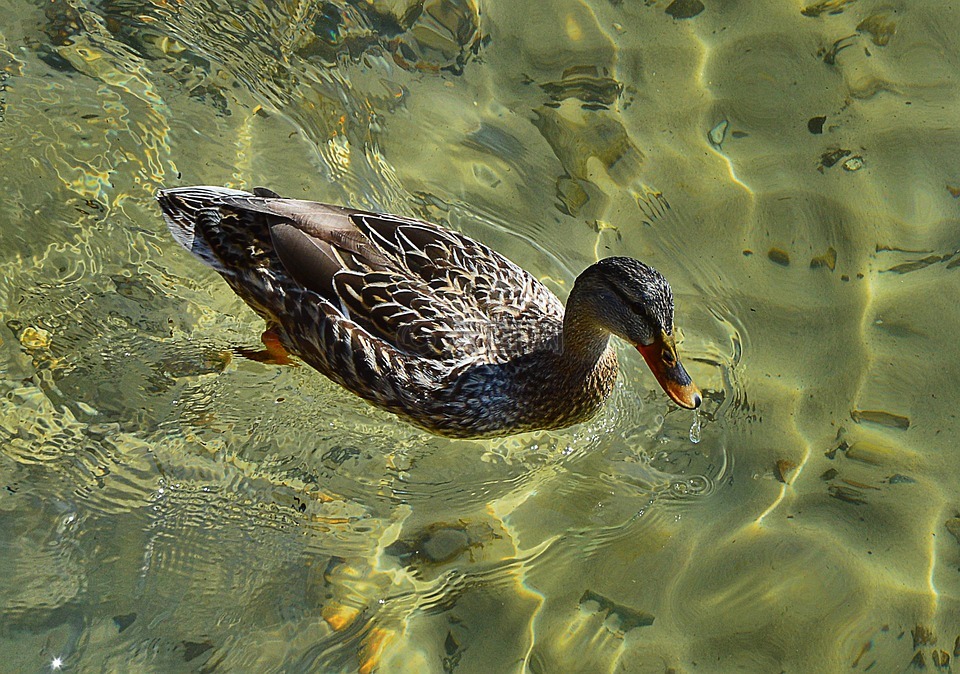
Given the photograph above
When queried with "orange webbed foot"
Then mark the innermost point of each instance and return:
(273, 352)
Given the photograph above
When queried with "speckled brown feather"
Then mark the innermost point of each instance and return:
(419, 320)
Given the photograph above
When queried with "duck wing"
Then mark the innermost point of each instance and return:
(417, 287)
(495, 302)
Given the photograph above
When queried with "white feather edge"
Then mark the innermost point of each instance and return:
(182, 228)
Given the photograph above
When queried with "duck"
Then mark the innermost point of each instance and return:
(425, 322)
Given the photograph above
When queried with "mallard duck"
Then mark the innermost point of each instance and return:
(424, 321)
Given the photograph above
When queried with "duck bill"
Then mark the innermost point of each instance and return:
(672, 378)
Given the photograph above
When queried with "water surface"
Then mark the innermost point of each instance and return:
(791, 168)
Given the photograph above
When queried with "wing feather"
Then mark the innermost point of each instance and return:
(407, 285)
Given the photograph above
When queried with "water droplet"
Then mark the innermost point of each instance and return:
(695, 427)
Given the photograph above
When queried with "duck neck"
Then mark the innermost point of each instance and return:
(585, 341)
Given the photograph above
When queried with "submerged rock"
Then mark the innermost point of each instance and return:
(684, 9)
(628, 618)
(881, 418)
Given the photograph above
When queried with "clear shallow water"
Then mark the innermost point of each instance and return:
(167, 507)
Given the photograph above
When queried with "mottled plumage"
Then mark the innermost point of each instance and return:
(421, 320)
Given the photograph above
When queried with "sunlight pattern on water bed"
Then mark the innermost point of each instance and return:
(166, 505)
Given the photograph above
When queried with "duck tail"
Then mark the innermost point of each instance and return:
(189, 212)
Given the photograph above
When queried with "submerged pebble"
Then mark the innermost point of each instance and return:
(881, 418)
(779, 256)
(847, 494)
(922, 636)
(444, 544)
(831, 157)
(685, 9)
(828, 260)
(953, 526)
(870, 452)
(901, 479)
(629, 618)
(815, 124)
(440, 543)
(917, 265)
(785, 470)
(825, 7)
(194, 649)
(879, 27)
(855, 163)
(718, 133)
(123, 621)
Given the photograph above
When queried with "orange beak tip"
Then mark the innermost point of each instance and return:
(689, 399)
(673, 379)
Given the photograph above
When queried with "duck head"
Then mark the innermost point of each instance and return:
(634, 302)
